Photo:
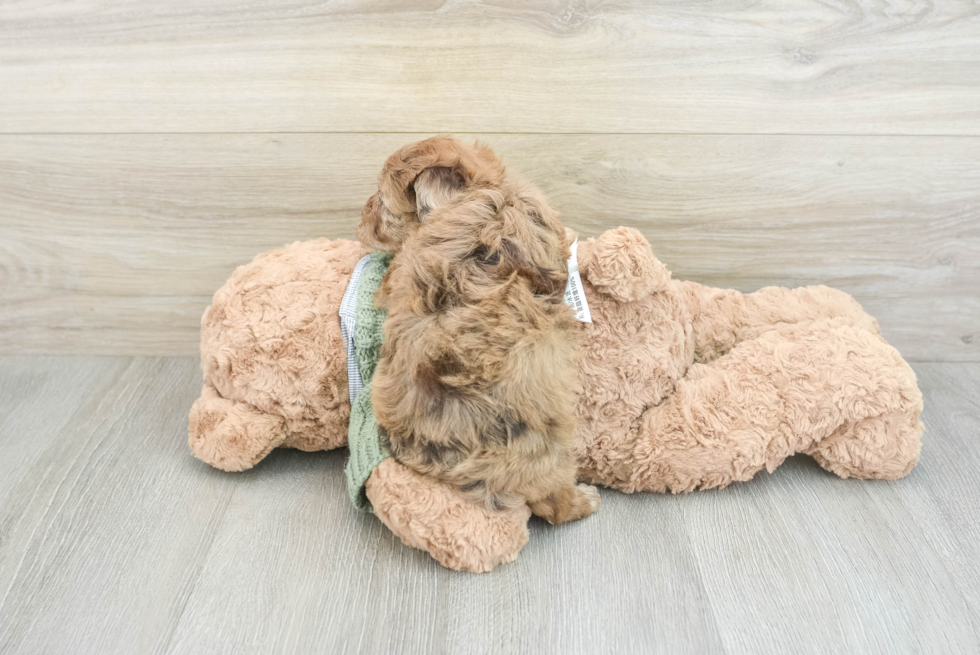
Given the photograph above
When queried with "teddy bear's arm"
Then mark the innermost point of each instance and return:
(229, 434)
(723, 318)
(438, 519)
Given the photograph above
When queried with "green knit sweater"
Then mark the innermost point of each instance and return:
(366, 451)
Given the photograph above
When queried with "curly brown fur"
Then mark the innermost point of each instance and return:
(476, 385)
(419, 177)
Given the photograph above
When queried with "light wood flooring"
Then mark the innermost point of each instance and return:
(113, 539)
(147, 148)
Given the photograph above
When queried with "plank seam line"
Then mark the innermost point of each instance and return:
(81, 355)
(457, 132)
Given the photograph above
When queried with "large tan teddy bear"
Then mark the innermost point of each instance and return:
(682, 387)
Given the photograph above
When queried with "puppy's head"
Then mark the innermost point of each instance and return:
(418, 178)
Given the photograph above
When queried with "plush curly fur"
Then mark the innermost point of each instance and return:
(682, 387)
(273, 357)
(476, 381)
(688, 387)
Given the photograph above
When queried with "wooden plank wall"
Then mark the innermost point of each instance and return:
(146, 148)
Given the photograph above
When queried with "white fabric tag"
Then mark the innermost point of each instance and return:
(574, 292)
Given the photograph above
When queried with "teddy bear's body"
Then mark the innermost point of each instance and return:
(682, 386)
(686, 386)
(274, 363)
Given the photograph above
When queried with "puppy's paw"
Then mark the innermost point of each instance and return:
(591, 495)
(567, 504)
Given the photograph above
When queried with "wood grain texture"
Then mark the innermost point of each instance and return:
(305, 573)
(799, 66)
(947, 505)
(106, 516)
(146, 149)
(114, 244)
(114, 540)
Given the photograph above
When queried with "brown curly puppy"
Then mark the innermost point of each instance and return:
(476, 384)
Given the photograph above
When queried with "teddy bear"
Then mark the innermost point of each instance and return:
(681, 387)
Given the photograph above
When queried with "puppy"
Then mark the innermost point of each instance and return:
(477, 378)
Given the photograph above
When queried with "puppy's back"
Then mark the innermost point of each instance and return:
(476, 384)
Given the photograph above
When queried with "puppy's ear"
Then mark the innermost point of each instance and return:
(371, 230)
(534, 243)
(545, 278)
(434, 187)
(445, 166)
(420, 177)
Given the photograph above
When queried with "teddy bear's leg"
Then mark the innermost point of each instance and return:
(771, 305)
(437, 518)
(884, 447)
(723, 318)
(231, 435)
(826, 387)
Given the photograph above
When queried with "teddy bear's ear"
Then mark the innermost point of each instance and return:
(621, 264)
